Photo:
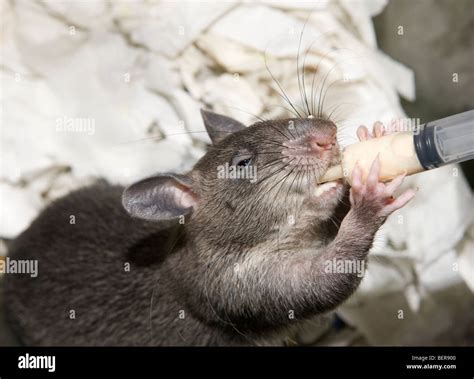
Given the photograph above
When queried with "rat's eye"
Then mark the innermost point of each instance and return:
(244, 162)
(241, 160)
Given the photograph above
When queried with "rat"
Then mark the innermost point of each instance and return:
(198, 258)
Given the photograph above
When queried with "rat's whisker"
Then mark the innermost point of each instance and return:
(282, 93)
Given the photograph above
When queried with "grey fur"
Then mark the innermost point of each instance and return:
(218, 126)
(236, 268)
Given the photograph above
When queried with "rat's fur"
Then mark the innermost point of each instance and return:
(236, 272)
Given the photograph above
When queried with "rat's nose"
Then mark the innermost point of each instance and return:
(321, 134)
(314, 137)
(322, 142)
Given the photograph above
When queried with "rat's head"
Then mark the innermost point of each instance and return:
(252, 180)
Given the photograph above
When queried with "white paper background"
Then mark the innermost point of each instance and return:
(138, 71)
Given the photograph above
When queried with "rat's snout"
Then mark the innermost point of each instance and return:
(319, 143)
(312, 137)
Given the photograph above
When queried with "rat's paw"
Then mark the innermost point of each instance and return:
(378, 130)
(375, 198)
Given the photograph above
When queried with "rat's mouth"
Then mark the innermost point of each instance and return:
(329, 189)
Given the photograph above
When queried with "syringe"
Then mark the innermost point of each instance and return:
(434, 144)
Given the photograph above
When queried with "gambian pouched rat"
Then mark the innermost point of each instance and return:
(201, 259)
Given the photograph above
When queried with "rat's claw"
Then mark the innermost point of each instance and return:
(357, 185)
(373, 176)
(363, 133)
(395, 126)
(378, 129)
(374, 197)
(399, 202)
(357, 177)
(395, 184)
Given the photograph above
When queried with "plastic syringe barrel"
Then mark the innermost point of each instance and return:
(448, 140)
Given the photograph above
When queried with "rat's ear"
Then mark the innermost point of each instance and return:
(218, 126)
(161, 197)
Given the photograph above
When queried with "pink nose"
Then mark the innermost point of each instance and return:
(322, 143)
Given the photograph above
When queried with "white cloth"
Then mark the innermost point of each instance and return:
(121, 75)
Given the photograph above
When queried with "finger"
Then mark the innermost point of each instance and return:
(373, 176)
(399, 202)
(378, 129)
(356, 178)
(363, 133)
(351, 196)
(395, 184)
(395, 126)
(380, 189)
